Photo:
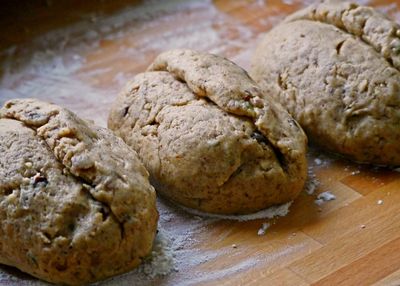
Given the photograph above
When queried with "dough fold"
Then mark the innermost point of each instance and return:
(208, 139)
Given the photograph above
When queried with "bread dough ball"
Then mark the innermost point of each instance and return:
(335, 67)
(209, 142)
(76, 204)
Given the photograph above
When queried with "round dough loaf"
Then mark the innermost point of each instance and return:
(335, 67)
(76, 204)
(207, 139)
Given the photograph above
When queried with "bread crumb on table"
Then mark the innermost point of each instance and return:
(263, 228)
(324, 197)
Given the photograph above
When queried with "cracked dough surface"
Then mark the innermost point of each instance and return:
(208, 140)
(76, 204)
(335, 67)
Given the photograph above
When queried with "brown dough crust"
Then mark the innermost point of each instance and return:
(208, 140)
(76, 204)
(335, 67)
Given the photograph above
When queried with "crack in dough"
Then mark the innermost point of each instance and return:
(371, 26)
(207, 109)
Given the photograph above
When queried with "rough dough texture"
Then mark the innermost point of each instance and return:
(209, 142)
(335, 67)
(76, 204)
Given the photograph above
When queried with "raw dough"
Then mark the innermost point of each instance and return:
(76, 205)
(207, 139)
(335, 67)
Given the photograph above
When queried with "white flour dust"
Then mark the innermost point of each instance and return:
(55, 66)
(179, 234)
(263, 228)
(324, 197)
(312, 182)
(161, 261)
(274, 211)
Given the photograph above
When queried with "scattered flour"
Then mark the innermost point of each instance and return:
(312, 182)
(318, 162)
(161, 261)
(324, 197)
(54, 66)
(263, 228)
(275, 211)
(243, 265)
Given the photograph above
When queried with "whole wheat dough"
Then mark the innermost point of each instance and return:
(335, 67)
(208, 140)
(76, 205)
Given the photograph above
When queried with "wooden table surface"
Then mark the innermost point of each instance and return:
(80, 53)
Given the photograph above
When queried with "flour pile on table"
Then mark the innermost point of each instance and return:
(324, 197)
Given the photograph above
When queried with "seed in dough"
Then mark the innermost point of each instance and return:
(336, 68)
(207, 138)
(76, 204)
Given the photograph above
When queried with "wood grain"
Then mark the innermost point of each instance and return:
(390, 280)
(79, 54)
(368, 268)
